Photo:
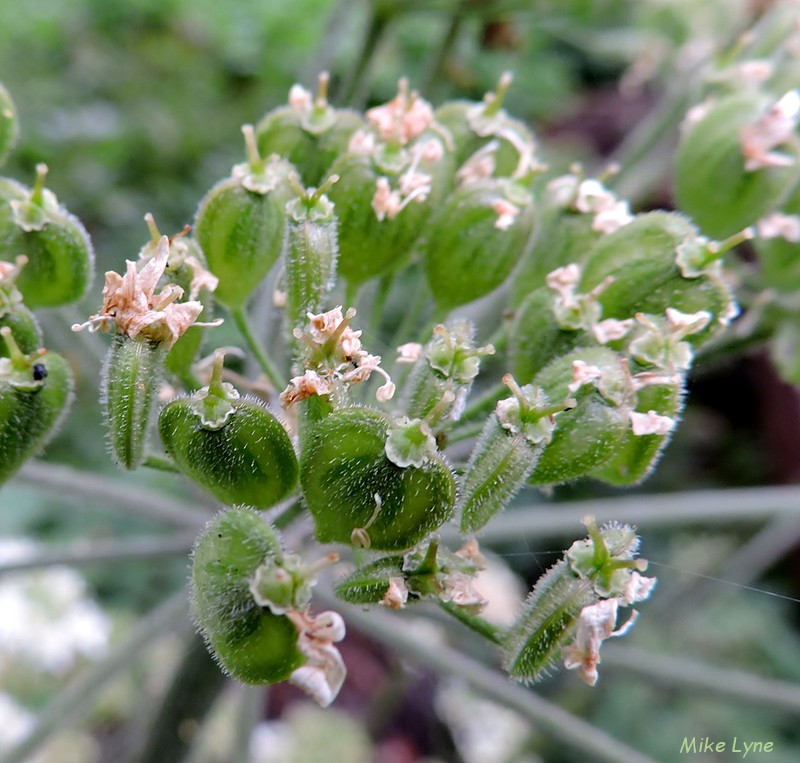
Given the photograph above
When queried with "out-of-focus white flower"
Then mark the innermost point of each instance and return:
(49, 622)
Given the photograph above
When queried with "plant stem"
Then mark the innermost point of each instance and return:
(433, 76)
(686, 674)
(92, 552)
(549, 718)
(160, 464)
(81, 693)
(196, 682)
(352, 88)
(267, 366)
(473, 622)
(660, 510)
(75, 485)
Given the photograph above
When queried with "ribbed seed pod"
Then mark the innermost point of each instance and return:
(132, 372)
(310, 254)
(533, 644)
(655, 262)
(475, 240)
(240, 224)
(251, 643)
(309, 132)
(591, 431)
(718, 181)
(506, 453)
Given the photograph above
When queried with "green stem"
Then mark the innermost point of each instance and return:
(381, 294)
(267, 366)
(475, 623)
(76, 486)
(86, 552)
(250, 710)
(699, 507)
(80, 695)
(353, 87)
(687, 674)
(568, 729)
(464, 433)
(351, 296)
(433, 77)
(195, 684)
(160, 464)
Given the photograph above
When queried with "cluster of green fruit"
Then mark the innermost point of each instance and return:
(605, 310)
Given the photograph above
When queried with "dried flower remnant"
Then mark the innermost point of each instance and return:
(409, 353)
(596, 623)
(397, 593)
(131, 304)
(650, 423)
(323, 674)
(403, 118)
(333, 355)
(773, 129)
(779, 225)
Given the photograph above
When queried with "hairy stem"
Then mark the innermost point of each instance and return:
(264, 361)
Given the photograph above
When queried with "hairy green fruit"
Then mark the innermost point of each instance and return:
(240, 226)
(35, 392)
(132, 372)
(251, 643)
(249, 459)
(58, 248)
(713, 182)
(475, 240)
(357, 494)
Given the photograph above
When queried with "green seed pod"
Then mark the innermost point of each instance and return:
(132, 372)
(311, 252)
(251, 643)
(599, 568)
(637, 454)
(475, 240)
(14, 314)
(309, 132)
(655, 262)
(234, 447)
(506, 453)
(9, 124)
(474, 127)
(58, 248)
(536, 337)
(358, 494)
(35, 392)
(566, 230)
(591, 431)
(533, 644)
(729, 150)
(369, 584)
(240, 224)
(383, 198)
